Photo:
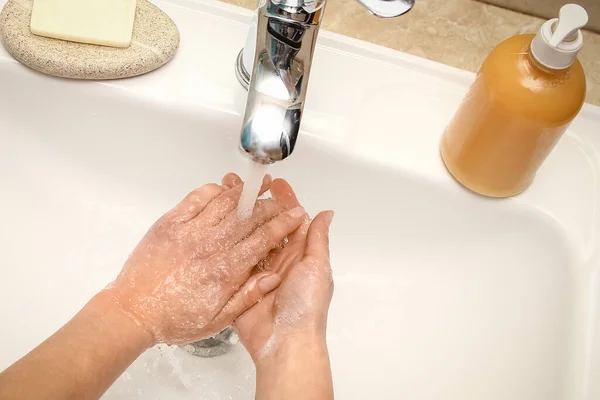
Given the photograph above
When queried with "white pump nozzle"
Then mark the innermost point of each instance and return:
(571, 18)
(559, 40)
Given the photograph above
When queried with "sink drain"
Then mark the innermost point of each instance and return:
(214, 346)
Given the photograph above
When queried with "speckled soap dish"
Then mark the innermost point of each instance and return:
(154, 42)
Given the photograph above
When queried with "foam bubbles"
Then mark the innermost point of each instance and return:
(267, 348)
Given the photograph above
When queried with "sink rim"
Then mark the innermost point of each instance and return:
(154, 89)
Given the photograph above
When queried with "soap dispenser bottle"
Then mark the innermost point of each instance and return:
(524, 97)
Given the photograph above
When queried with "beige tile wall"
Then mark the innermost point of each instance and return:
(549, 8)
(454, 32)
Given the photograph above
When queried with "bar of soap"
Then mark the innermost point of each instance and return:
(101, 22)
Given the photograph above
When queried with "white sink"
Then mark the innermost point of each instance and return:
(440, 294)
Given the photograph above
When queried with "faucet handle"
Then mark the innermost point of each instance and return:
(388, 8)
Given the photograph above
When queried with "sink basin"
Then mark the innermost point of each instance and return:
(440, 294)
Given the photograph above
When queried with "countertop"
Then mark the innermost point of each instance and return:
(459, 33)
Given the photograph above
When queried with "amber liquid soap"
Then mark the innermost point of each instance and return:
(513, 115)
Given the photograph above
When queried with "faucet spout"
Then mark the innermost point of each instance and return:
(275, 66)
(285, 40)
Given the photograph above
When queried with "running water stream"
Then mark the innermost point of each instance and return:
(252, 183)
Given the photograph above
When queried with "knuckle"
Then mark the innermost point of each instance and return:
(268, 233)
(174, 233)
(163, 225)
(250, 296)
(230, 201)
(234, 192)
(220, 207)
(269, 205)
(222, 272)
(278, 227)
(217, 275)
(266, 209)
(168, 227)
(259, 207)
(201, 193)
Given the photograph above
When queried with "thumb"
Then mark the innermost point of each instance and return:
(317, 239)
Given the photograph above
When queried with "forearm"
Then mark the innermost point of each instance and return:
(299, 369)
(81, 360)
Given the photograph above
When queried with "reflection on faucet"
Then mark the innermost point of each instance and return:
(286, 32)
(286, 35)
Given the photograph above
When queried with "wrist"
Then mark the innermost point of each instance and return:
(282, 349)
(297, 367)
(117, 322)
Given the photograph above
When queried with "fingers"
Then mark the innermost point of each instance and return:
(247, 253)
(283, 259)
(235, 229)
(218, 209)
(257, 287)
(284, 194)
(299, 235)
(232, 180)
(196, 201)
(247, 319)
(227, 201)
(317, 238)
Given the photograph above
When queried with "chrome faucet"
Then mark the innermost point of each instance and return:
(275, 65)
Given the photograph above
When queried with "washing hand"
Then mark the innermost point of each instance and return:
(189, 277)
(285, 332)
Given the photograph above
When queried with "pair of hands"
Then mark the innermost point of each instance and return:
(200, 268)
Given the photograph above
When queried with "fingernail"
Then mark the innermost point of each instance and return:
(329, 217)
(296, 212)
(269, 283)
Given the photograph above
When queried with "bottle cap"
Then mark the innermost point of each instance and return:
(559, 40)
